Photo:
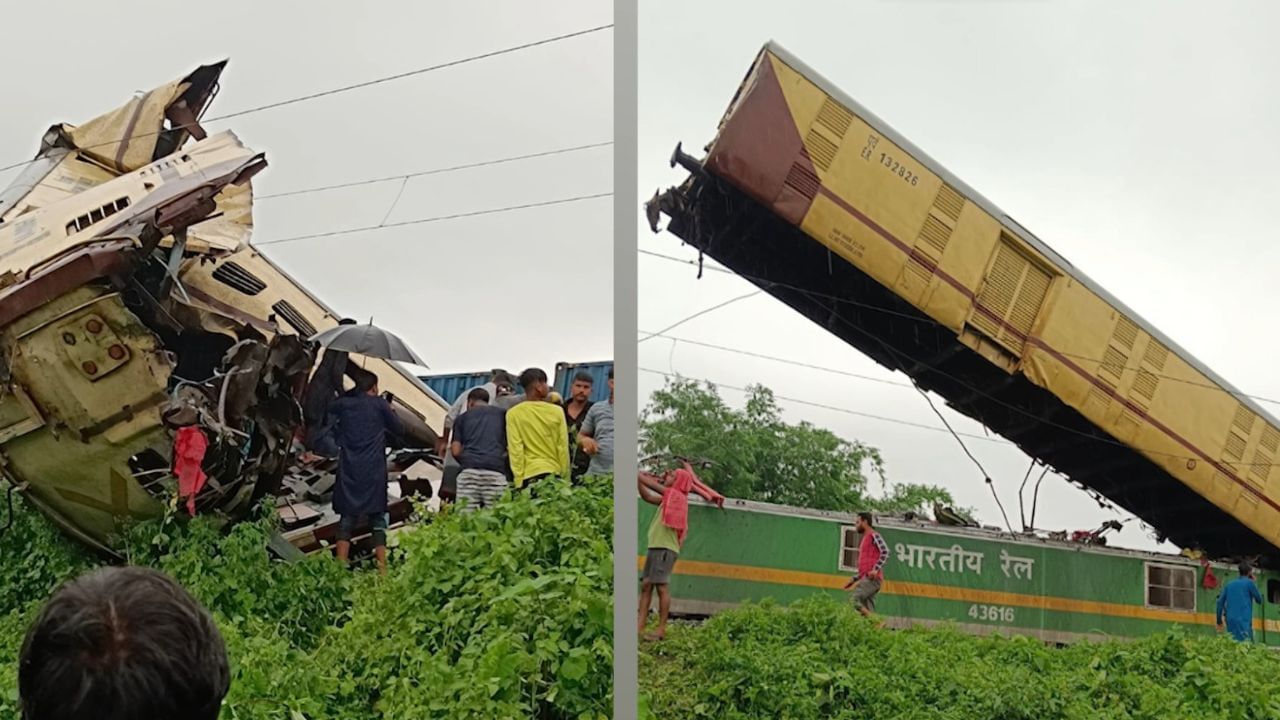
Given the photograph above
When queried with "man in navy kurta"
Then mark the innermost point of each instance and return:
(363, 421)
(1236, 602)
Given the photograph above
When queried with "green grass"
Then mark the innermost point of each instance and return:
(820, 659)
(499, 614)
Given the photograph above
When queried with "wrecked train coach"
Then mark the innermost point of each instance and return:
(133, 310)
(811, 197)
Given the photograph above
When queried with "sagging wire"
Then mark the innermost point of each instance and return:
(964, 447)
(1022, 515)
(698, 314)
(897, 359)
(1035, 495)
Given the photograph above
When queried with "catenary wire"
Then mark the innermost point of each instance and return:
(436, 218)
(347, 88)
(979, 391)
(888, 311)
(833, 408)
(435, 171)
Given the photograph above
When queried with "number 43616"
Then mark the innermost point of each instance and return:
(991, 613)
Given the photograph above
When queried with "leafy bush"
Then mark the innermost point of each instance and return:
(502, 613)
(820, 659)
(759, 456)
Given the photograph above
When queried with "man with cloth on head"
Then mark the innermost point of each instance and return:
(364, 421)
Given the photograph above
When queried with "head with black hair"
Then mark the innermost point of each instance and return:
(1245, 568)
(121, 643)
(610, 383)
(865, 522)
(477, 396)
(366, 383)
(580, 390)
(534, 382)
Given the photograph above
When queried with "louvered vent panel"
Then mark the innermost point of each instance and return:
(1035, 285)
(1270, 439)
(1126, 333)
(934, 234)
(235, 276)
(1144, 386)
(1260, 470)
(999, 290)
(1244, 420)
(834, 118)
(1013, 292)
(803, 180)
(1235, 447)
(821, 149)
(1156, 355)
(1112, 365)
(1098, 394)
(295, 319)
(949, 202)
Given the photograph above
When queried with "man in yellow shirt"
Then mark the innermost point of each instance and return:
(537, 436)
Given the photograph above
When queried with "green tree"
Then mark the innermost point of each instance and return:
(758, 456)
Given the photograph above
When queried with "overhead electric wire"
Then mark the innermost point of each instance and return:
(437, 218)
(699, 314)
(1035, 495)
(347, 88)
(1022, 489)
(998, 401)
(985, 475)
(786, 361)
(411, 73)
(403, 184)
(435, 171)
(833, 408)
(930, 321)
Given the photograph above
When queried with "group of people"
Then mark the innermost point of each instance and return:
(494, 438)
(667, 531)
(131, 642)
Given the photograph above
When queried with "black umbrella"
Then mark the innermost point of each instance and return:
(367, 340)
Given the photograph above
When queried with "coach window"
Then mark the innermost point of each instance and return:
(1273, 591)
(849, 548)
(1172, 587)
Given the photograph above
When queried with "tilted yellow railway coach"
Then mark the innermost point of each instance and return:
(811, 197)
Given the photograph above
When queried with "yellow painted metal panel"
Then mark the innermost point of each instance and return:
(873, 203)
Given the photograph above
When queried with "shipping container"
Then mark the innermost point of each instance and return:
(599, 372)
(451, 385)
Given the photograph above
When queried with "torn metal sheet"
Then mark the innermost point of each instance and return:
(115, 336)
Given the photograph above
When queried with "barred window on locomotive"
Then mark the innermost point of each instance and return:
(849, 540)
(1171, 587)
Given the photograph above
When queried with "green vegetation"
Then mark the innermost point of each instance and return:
(820, 659)
(758, 456)
(502, 613)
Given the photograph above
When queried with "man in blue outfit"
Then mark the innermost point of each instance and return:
(1236, 603)
(363, 421)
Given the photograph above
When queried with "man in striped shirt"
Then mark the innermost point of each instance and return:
(873, 553)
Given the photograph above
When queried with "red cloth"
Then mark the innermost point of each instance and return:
(675, 503)
(1210, 580)
(868, 554)
(188, 452)
(706, 492)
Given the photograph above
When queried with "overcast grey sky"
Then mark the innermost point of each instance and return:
(1138, 139)
(531, 287)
